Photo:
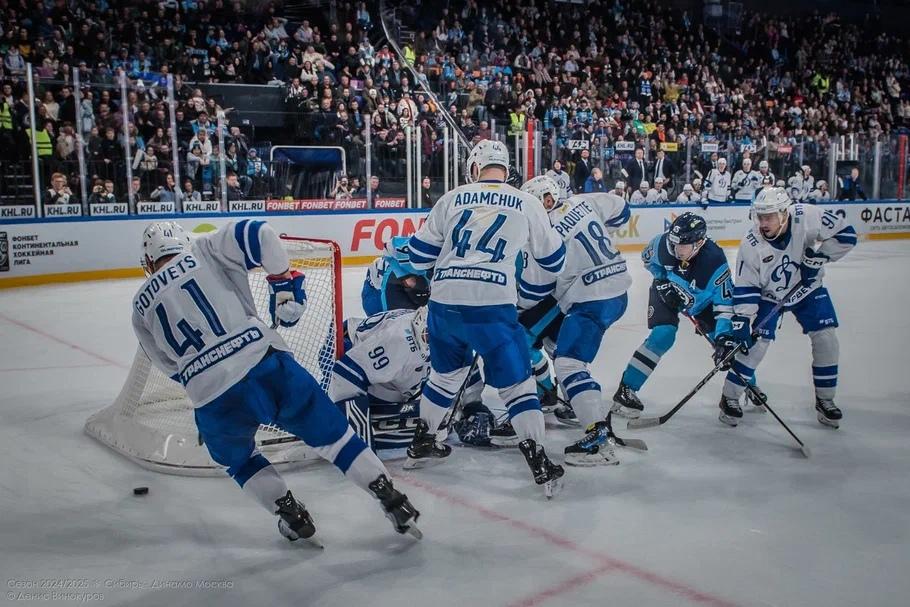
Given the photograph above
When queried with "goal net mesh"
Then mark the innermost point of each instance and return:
(152, 420)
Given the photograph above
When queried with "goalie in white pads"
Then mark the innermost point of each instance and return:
(591, 291)
(196, 319)
(788, 245)
(473, 237)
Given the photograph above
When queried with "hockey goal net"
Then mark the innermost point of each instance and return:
(152, 420)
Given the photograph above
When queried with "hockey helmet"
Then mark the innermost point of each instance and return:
(161, 239)
(421, 331)
(769, 202)
(487, 152)
(539, 187)
(687, 229)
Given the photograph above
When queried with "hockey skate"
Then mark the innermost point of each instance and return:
(757, 404)
(828, 413)
(294, 522)
(545, 472)
(424, 448)
(549, 398)
(504, 435)
(565, 415)
(397, 508)
(594, 449)
(730, 411)
(626, 403)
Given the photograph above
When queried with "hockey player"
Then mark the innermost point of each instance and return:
(779, 252)
(473, 237)
(688, 195)
(379, 379)
(591, 291)
(561, 178)
(640, 196)
(697, 187)
(717, 185)
(392, 283)
(619, 189)
(691, 276)
(746, 182)
(820, 193)
(801, 185)
(196, 320)
(660, 194)
(766, 173)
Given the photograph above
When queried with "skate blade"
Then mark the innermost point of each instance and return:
(730, 421)
(571, 423)
(414, 532)
(551, 488)
(625, 411)
(756, 409)
(424, 462)
(314, 542)
(505, 443)
(632, 443)
(831, 423)
(591, 461)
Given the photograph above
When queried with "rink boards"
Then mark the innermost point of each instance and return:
(69, 249)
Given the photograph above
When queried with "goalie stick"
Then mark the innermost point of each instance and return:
(651, 422)
(756, 395)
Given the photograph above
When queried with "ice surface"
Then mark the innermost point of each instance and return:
(710, 515)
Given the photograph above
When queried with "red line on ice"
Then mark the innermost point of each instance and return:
(60, 340)
(567, 585)
(609, 562)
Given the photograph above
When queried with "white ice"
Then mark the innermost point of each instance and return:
(710, 515)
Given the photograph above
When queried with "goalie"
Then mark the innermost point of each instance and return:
(379, 380)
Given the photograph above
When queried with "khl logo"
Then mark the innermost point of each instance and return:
(782, 272)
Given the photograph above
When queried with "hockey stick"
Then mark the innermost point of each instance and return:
(457, 401)
(651, 422)
(756, 395)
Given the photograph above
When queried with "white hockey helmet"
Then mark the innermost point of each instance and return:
(421, 332)
(721, 161)
(806, 169)
(768, 202)
(763, 165)
(821, 183)
(696, 183)
(780, 184)
(688, 188)
(620, 185)
(161, 239)
(539, 187)
(487, 152)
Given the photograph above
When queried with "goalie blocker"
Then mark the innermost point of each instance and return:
(384, 427)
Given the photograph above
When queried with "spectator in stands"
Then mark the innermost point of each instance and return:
(341, 191)
(234, 191)
(426, 195)
(375, 190)
(166, 192)
(595, 182)
(582, 171)
(103, 194)
(852, 188)
(189, 193)
(59, 192)
(136, 189)
(357, 189)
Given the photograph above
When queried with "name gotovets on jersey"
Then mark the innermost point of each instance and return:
(489, 198)
(578, 212)
(161, 279)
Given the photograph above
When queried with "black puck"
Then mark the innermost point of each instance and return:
(140, 491)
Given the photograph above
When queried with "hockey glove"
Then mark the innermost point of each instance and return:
(811, 266)
(475, 429)
(672, 295)
(723, 345)
(287, 299)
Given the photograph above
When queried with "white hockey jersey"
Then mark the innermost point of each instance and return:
(693, 198)
(717, 186)
(766, 270)
(473, 237)
(534, 283)
(817, 195)
(384, 361)
(799, 187)
(594, 269)
(563, 180)
(745, 184)
(196, 319)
